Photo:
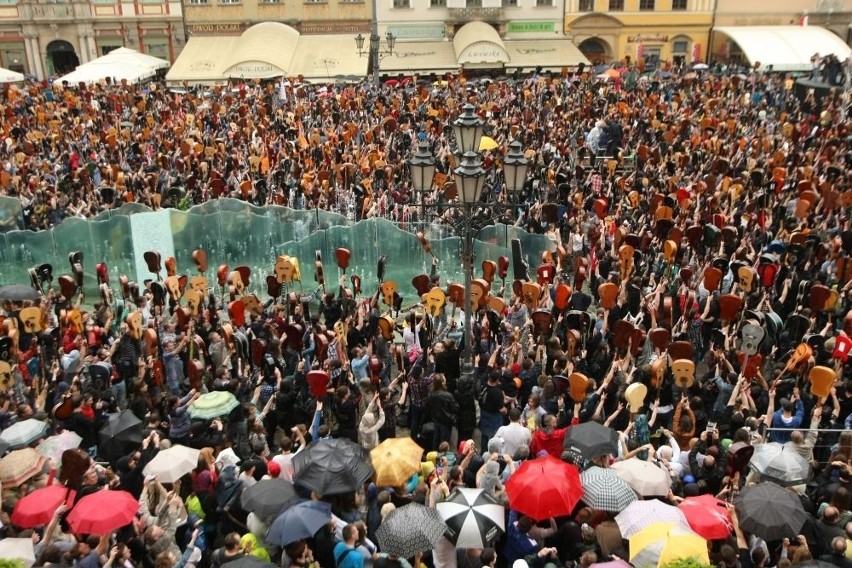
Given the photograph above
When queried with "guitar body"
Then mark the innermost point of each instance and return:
(608, 293)
(63, 409)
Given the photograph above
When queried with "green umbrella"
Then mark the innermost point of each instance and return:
(213, 405)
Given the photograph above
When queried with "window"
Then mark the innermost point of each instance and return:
(647, 5)
(587, 6)
(616, 5)
(438, 3)
(679, 4)
(229, 1)
(473, 3)
(544, 2)
(509, 3)
(401, 4)
(680, 46)
(269, 1)
(197, 2)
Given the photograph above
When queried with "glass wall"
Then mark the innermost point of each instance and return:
(236, 233)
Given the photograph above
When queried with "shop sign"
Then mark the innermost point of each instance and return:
(334, 27)
(648, 38)
(418, 32)
(215, 29)
(483, 51)
(531, 27)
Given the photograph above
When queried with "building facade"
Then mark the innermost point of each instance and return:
(46, 39)
(653, 30)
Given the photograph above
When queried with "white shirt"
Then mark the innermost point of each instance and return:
(514, 436)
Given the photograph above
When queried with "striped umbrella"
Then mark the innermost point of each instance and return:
(604, 491)
(640, 514)
(474, 518)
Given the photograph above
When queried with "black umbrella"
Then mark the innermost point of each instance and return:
(18, 293)
(591, 439)
(770, 511)
(331, 467)
(121, 434)
(267, 497)
(410, 530)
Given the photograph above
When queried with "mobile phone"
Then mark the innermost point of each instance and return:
(711, 427)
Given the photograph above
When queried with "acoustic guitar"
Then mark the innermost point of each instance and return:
(608, 293)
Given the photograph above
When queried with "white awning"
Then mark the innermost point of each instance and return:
(264, 51)
(120, 64)
(550, 54)
(9, 76)
(785, 48)
(326, 57)
(201, 60)
(421, 57)
(477, 44)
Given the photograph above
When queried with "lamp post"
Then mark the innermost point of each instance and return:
(375, 51)
(468, 130)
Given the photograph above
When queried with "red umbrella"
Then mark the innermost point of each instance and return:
(543, 488)
(708, 516)
(102, 512)
(37, 508)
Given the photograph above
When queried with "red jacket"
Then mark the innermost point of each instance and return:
(551, 443)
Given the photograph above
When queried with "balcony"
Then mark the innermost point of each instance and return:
(475, 14)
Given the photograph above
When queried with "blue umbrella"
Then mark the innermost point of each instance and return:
(300, 521)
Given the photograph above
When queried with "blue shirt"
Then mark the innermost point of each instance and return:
(352, 559)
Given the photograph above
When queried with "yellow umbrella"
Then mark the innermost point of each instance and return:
(660, 543)
(487, 143)
(395, 460)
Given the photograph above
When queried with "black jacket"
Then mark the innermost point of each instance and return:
(442, 407)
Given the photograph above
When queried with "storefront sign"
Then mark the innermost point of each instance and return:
(418, 32)
(531, 27)
(215, 29)
(483, 52)
(648, 38)
(334, 27)
(253, 69)
(413, 54)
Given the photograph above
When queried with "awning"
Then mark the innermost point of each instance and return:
(553, 54)
(119, 64)
(201, 60)
(421, 57)
(327, 56)
(9, 76)
(785, 48)
(264, 51)
(479, 43)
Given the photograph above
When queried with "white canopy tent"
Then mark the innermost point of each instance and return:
(9, 76)
(785, 48)
(120, 64)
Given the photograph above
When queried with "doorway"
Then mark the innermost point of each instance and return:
(61, 57)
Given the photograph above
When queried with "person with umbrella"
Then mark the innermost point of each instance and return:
(162, 521)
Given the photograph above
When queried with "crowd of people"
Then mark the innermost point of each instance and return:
(694, 308)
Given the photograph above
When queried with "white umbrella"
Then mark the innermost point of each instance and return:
(22, 434)
(644, 477)
(173, 463)
(700, 66)
(779, 463)
(473, 517)
(19, 549)
(55, 446)
(640, 514)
